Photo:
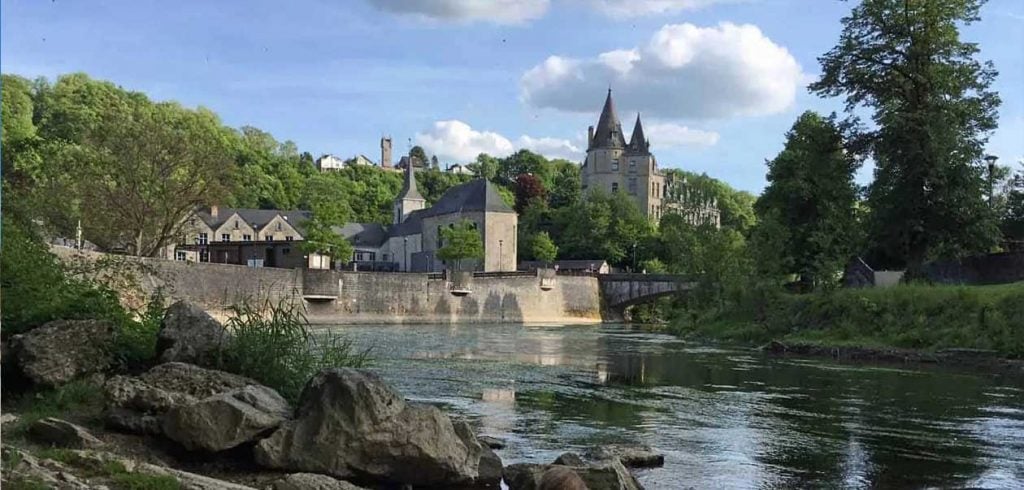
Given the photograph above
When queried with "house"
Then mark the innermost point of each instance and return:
(360, 160)
(257, 237)
(458, 169)
(329, 162)
(592, 266)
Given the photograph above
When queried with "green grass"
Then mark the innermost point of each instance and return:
(922, 317)
(119, 477)
(80, 400)
(273, 344)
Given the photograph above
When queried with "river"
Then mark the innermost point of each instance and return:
(724, 417)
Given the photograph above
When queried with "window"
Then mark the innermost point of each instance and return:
(225, 237)
(653, 193)
(286, 251)
(269, 238)
(632, 186)
(279, 226)
(204, 255)
(615, 187)
(246, 238)
(632, 164)
(236, 224)
(203, 239)
(180, 255)
(615, 165)
(365, 256)
(288, 238)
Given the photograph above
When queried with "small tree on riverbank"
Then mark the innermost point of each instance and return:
(461, 241)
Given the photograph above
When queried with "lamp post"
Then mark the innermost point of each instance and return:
(501, 253)
(634, 256)
(991, 160)
(405, 253)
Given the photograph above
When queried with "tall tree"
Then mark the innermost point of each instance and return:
(529, 191)
(461, 242)
(329, 213)
(812, 194)
(1013, 218)
(485, 167)
(524, 162)
(933, 109)
(417, 153)
(542, 248)
(565, 185)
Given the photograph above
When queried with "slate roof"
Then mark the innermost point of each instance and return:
(413, 225)
(638, 142)
(409, 190)
(609, 131)
(477, 195)
(363, 234)
(257, 218)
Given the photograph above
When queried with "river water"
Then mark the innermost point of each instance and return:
(724, 417)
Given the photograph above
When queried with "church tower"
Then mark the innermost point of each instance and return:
(409, 199)
(613, 165)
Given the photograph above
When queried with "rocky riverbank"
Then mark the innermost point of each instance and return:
(186, 425)
(985, 360)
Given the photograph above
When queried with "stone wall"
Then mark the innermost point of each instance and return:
(997, 268)
(341, 297)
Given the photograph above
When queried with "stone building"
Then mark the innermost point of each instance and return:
(615, 165)
(329, 162)
(256, 237)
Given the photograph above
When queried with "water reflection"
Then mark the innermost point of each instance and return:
(725, 418)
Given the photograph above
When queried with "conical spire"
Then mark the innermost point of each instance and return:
(638, 142)
(609, 131)
(409, 190)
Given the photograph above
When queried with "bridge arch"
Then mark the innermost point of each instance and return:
(620, 291)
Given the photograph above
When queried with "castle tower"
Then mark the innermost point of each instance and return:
(409, 198)
(613, 165)
(385, 152)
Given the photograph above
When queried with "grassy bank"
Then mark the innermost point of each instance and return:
(921, 317)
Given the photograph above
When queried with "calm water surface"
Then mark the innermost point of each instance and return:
(725, 418)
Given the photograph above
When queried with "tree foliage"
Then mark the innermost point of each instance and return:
(932, 108)
(461, 241)
(542, 248)
(529, 191)
(811, 193)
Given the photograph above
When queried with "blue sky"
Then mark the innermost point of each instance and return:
(718, 81)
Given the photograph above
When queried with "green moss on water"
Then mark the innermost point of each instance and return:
(922, 317)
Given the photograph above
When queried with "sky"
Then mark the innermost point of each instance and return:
(718, 82)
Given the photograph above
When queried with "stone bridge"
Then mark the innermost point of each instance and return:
(619, 291)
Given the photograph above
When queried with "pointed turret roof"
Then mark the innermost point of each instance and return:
(638, 142)
(409, 190)
(609, 131)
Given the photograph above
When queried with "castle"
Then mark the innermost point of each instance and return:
(615, 165)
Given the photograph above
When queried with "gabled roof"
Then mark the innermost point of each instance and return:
(609, 131)
(363, 234)
(409, 190)
(257, 218)
(477, 195)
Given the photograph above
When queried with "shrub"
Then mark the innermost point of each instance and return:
(273, 344)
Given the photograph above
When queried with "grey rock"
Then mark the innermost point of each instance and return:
(569, 459)
(56, 432)
(136, 404)
(492, 442)
(63, 350)
(610, 475)
(9, 418)
(630, 456)
(189, 334)
(312, 481)
(350, 423)
(226, 420)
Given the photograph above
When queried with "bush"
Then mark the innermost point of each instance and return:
(273, 344)
(35, 287)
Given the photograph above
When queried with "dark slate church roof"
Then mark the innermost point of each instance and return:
(413, 225)
(477, 195)
(363, 234)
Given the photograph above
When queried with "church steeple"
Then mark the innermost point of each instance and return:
(609, 131)
(638, 142)
(409, 198)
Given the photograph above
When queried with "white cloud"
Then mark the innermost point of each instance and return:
(496, 11)
(637, 8)
(684, 71)
(456, 141)
(670, 135)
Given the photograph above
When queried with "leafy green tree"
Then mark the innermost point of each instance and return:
(433, 183)
(485, 167)
(461, 242)
(602, 226)
(565, 185)
(523, 162)
(542, 248)
(933, 108)
(1013, 217)
(417, 153)
(717, 258)
(330, 212)
(812, 194)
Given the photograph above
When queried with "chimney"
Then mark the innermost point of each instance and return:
(213, 211)
(590, 137)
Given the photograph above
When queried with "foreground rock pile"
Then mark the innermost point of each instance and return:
(349, 427)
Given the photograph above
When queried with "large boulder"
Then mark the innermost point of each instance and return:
(63, 350)
(349, 424)
(56, 432)
(189, 334)
(226, 420)
(630, 456)
(609, 475)
(137, 404)
(312, 481)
